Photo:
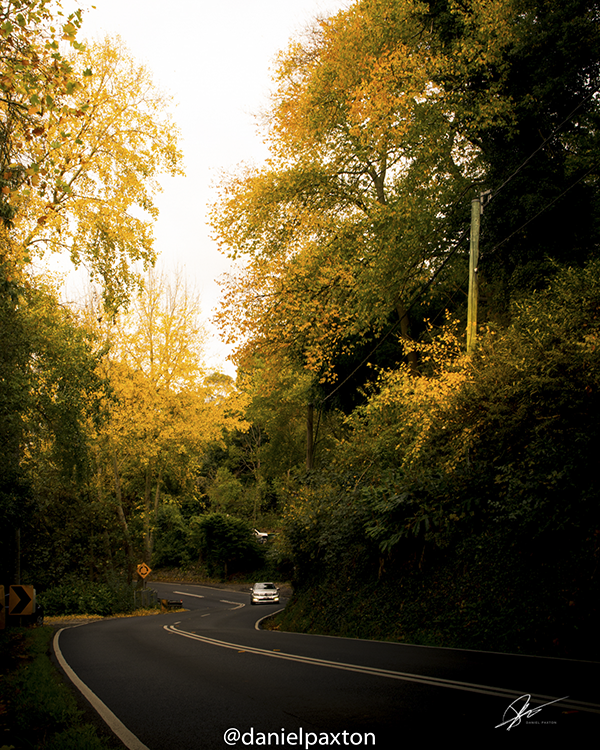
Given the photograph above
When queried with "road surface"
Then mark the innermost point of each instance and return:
(211, 678)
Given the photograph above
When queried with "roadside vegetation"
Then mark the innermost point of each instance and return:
(411, 489)
(38, 710)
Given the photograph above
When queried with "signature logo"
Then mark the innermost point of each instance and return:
(519, 710)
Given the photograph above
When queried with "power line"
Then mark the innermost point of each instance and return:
(543, 143)
(541, 211)
(465, 232)
(413, 302)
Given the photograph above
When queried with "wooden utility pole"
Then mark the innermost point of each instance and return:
(473, 285)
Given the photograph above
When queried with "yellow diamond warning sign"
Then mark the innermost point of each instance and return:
(143, 570)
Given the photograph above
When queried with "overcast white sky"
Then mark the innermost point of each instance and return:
(215, 58)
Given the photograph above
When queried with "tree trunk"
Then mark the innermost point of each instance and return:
(310, 453)
(105, 535)
(411, 354)
(149, 531)
(148, 516)
(123, 520)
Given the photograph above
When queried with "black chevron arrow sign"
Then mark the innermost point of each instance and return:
(21, 600)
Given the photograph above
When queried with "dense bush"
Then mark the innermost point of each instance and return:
(493, 591)
(471, 482)
(87, 597)
(38, 709)
(171, 546)
(225, 543)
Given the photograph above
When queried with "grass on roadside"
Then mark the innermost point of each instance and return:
(37, 710)
(58, 619)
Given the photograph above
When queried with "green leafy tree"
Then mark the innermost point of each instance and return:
(172, 537)
(383, 119)
(223, 542)
(227, 493)
(522, 78)
(50, 398)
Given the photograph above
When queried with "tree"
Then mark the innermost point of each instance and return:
(84, 135)
(222, 541)
(382, 121)
(91, 167)
(350, 217)
(50, 396)
(522, 77)
(34, 72)
(166, 407)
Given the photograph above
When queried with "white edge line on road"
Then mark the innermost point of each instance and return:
(407, 645)
(127, 738)
(444, 648)
(266, 617)
(376, 672)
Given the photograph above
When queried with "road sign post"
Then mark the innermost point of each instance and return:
(143, 571)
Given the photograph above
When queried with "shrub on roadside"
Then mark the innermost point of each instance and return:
(38, 710)
(225, 543)
(87, 598)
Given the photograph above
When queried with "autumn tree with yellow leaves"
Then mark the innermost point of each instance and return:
(93, 170)
(124, 400)
(352, 243)
(35, 71)
(349, 217)
(167, 406)
(384, 120)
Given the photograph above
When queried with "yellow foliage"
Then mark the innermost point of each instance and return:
(166, 400)
(164, 408)
(91, 167)
(335, 231)
(410, 405)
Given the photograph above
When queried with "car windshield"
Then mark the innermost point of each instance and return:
(264, 586)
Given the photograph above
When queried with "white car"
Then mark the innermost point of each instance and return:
(264, 593)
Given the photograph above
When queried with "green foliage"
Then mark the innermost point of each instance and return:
(277, 412)
(14, 395)
(76, 738)
(470, 483)
(76, 597)
(49, 398)
(531, 409)
(493, 591)
(172, 538)
(41, 711)
(521, 76)
(323, 529)
(506, 436)
(227, 493)
(65, 386)
(224, 542)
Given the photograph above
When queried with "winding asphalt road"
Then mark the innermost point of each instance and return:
(211, 678)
